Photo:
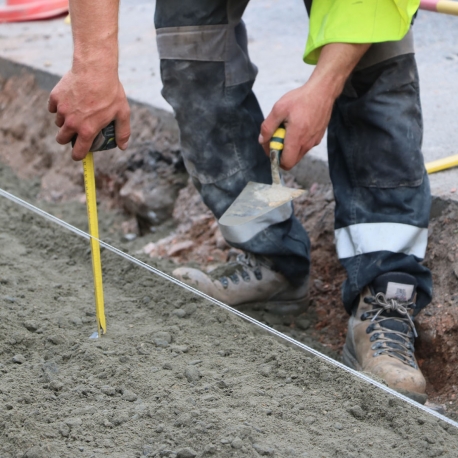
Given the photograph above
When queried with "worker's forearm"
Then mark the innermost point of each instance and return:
(336, 62)
(95, 34)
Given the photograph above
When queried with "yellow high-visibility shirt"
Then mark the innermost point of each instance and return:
(357, 21)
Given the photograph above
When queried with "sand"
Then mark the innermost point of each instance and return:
(175, 376)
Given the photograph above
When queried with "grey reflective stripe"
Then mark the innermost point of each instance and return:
(371, 237)
(206, 43)
(379, 52)
(245, 232)
(210, 43)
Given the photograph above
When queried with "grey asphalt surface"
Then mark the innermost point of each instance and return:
(277, 31)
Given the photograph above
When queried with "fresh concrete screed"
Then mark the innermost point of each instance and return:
(277, 32)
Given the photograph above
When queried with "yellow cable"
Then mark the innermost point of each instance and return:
(447, 7)
(91, 203)
(442, 164)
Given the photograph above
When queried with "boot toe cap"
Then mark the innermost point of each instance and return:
(402, 378)
(190, 276)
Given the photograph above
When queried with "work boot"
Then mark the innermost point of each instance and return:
(380, 338)
(249, 279)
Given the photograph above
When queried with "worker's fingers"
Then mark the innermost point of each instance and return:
(81, 148)
(292, 150)
(65, 134)
(84, 141)
(60, 120)
(52, 103)
(85, 137)
(122, 128)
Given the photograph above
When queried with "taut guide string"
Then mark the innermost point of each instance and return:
(158, 272)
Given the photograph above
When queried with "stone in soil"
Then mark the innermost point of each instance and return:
(18, 359)
(192, 374)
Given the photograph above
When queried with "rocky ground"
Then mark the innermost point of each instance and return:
(174, 373)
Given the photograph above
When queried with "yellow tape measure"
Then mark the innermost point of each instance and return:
(105, 140)
(91, 204)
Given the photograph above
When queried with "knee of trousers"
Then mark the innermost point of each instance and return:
(207, 78)
(223, 43)
(377, 126)
(377, 121)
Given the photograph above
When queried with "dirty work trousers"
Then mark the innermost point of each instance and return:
(374, 146)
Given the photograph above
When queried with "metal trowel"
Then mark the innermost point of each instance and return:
(257, 199)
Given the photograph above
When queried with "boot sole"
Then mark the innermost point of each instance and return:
(350, 361)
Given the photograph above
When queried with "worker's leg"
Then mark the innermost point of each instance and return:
(208, 78)
(380, 183)
(382, 214)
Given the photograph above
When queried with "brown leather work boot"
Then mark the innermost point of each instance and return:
(380, 338)
(250, 279)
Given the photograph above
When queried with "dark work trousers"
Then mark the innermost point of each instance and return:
(374, 140)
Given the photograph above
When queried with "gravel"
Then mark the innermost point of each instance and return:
(246, 393)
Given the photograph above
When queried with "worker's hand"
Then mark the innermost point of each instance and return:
(305, 112)
(85, 102)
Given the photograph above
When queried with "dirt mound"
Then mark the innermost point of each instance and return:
(438, 325)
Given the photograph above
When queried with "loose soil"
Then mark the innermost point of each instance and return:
(175, 376)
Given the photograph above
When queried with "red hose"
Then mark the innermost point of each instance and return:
(28, 10)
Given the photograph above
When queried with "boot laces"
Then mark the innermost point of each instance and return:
(390, 341)
(240, 268)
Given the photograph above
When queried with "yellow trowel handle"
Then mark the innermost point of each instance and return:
(277, 142)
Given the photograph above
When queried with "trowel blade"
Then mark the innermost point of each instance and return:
(256, 200)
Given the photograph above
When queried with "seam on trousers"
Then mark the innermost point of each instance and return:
(207, 43)
(379, 52)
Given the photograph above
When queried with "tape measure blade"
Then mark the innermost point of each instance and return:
(91, 204)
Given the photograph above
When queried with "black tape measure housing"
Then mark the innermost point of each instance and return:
(105, 139)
